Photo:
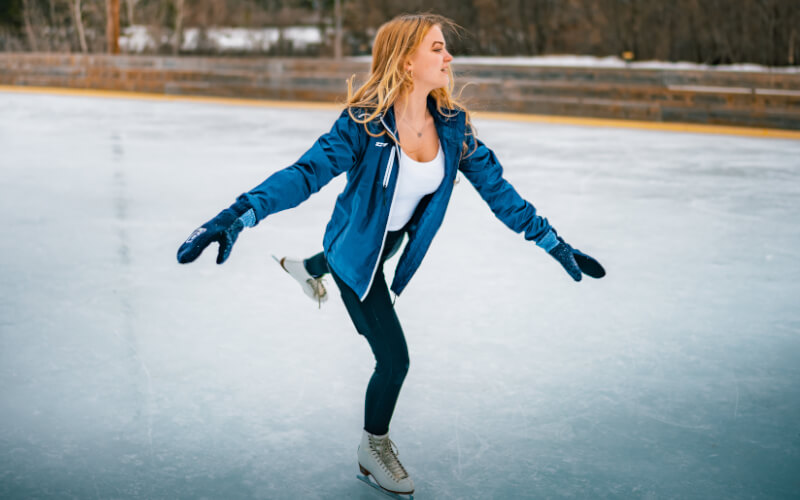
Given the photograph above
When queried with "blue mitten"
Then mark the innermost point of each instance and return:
(224, 229)
(588, 264)
(574, 261)
(563, 254)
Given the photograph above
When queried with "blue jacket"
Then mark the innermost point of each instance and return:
(356, 233)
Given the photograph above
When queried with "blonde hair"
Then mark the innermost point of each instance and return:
(395, 41)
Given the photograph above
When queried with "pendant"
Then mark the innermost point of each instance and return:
(419, 134)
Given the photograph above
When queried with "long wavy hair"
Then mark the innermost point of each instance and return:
(388, 80)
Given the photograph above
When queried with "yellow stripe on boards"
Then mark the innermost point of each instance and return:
(118, 94)
(635, 124)
(518, 117)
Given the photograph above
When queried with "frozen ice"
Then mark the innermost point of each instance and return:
(126, 375)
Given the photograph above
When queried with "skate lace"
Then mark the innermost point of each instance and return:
(318, 286)
(387, 453)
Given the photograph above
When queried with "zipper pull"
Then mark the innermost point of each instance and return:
(389, 166)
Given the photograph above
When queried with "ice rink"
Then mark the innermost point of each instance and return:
(126, 375)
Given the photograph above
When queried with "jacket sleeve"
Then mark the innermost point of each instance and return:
(480, 166)
(332, 154)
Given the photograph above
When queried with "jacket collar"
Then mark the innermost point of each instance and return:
(447, 126)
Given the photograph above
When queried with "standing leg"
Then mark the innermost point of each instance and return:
(375, 319)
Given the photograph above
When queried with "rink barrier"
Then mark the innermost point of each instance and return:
(483, 115)
(767, 99)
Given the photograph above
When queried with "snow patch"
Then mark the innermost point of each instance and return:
(577, 61)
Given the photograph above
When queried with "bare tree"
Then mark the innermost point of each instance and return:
(337, 43)
(78, 19)
(710, 31)
(27, 13)
(176, 47)
(112, 26)
(129, 6)
(536, 18)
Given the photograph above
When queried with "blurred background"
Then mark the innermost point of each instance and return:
(713, 62)
(709, 31)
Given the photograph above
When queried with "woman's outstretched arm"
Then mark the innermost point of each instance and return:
(482, 169)
(331, 154)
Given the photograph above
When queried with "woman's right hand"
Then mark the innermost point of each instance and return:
(224, 228)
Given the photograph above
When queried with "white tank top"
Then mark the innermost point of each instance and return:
(415, 180)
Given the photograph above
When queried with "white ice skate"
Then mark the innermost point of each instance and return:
(313, 287)
(377, 457)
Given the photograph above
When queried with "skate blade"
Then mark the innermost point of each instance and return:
(389, 494)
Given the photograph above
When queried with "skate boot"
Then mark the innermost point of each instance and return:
(313, 287)
(377, 457)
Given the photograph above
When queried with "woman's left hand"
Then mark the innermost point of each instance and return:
(575, 262)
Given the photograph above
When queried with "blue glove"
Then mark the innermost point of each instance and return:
(563, 254)
(588, 264)
(224, 229)
(575, 262)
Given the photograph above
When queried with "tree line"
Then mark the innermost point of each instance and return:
(705, 31)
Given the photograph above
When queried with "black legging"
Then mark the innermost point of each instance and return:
(375, 319)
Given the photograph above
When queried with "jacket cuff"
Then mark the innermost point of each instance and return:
(248, 218)
(548, 242)
(241, 206)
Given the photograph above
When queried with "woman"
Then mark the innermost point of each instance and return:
(401, 140)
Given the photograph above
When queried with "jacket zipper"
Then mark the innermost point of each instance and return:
(389, 167)
(386, 179)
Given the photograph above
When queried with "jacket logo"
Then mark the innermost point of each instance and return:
(381, 144)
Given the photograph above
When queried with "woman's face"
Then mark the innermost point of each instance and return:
(430, 62)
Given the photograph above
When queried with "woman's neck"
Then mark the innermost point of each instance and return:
(412, 107)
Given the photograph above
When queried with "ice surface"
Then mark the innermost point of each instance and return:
(126, 375)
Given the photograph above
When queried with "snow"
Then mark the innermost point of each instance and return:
(616, 62)
(138, 38)
(126, 375)
(577, 61)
